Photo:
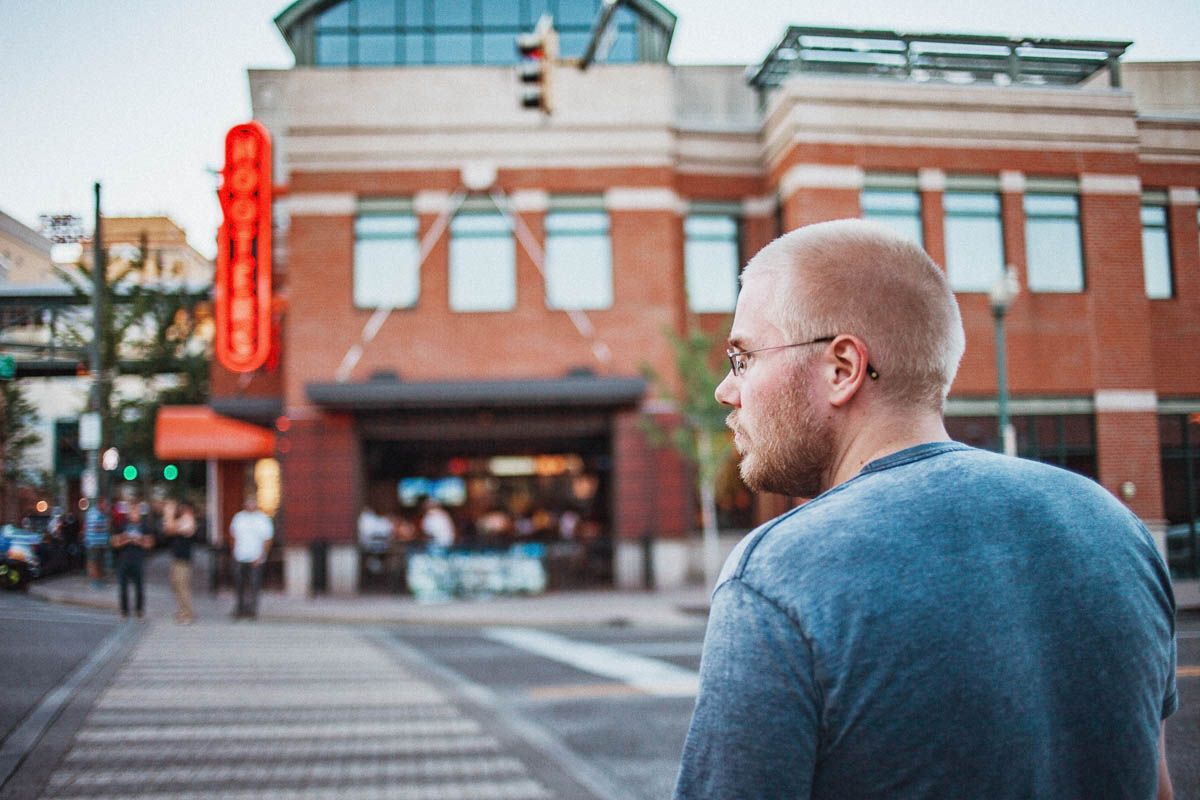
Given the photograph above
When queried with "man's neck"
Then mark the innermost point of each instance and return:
(883, 435)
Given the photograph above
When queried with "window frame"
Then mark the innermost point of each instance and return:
(967, 186)
(1048, 188)
(1157, 199)
(481, 208)
(399, 208)
(894, 183)
(341, 23)
(565, 206)
(713, 210)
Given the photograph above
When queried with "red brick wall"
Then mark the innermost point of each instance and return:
(431, 342)
(231, 494)
(806, 206)
(1128, 450)
(1175, 323)
(956, 159)
(652, 486)
(322, 476)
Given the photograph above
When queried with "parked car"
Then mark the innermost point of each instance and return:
(1180, 555)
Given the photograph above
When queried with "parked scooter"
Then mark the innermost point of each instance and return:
(18, 557)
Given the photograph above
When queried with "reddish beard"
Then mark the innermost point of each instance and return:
(788, 452)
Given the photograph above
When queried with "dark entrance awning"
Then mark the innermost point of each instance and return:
(394, 395)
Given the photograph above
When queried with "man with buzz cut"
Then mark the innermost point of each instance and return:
(937, 621)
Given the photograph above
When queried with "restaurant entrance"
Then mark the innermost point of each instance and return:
(533, 484)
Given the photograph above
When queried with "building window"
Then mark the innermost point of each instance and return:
(1179, 445)
(1053, 245)
(386, 259)
(483, 270)
(893, 200)
(1156, 247)
(389, 32)
(578, 259)
(974, 240)
(712, 261)
(1065, 440)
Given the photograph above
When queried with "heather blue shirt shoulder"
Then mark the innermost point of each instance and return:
(949, 623)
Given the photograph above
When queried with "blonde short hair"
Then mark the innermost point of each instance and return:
(861, 278)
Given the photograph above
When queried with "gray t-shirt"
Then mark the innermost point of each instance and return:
(949, 623)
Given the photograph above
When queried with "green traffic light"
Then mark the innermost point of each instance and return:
(170, 472)
(130, 472)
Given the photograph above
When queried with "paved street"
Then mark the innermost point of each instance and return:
(280, 708)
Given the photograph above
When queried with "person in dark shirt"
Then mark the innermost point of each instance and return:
(179, 525)
(130, 546)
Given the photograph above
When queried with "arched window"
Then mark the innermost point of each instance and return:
(365, 33)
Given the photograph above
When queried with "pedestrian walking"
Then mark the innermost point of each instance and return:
(179, 525)
(95, 541)
(252, 532)
(130, 546)
(937, 621)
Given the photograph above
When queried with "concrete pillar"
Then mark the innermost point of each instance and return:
(297, 572)
(343, 569)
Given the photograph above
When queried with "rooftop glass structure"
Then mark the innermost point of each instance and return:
(951, 58)
(370, 33)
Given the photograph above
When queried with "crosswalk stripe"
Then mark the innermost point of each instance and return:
(417, 769)
(295, 711)
(343, 730)
(517, 789)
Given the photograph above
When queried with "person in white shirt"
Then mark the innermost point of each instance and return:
(437, 524)
(252, 532)
(374, 532)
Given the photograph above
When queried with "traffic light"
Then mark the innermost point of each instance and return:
(539, 52)
(170, 472)
(130, 472)
(8, 368)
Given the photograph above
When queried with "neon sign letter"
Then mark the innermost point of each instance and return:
(243, 279)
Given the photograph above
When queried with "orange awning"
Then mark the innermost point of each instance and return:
(198, 432)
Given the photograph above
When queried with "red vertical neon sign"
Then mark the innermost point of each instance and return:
(243, 280)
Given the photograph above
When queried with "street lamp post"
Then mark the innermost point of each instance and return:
(1002, 294)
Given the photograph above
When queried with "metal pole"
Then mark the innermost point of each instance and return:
(1001, 381)
(94, 350)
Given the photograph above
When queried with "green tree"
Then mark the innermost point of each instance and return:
(17, 436)
(700, 434)
(146, 329)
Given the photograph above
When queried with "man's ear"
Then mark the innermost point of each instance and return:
(846, 368)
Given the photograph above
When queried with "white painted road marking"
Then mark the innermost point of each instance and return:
(648, 675)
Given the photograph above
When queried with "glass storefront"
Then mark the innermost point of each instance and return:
(1179, 441)
(552, 505)
(1066, 440)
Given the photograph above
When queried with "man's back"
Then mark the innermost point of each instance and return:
(949, 623)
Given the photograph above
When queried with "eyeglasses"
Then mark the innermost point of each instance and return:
(738, 362)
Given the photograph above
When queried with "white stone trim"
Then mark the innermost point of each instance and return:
(430, 202)
(931, 180)
(820, 176)
(625, 198)
(531, 200)
(1183, 196)
(759, 206)
(1127, 400)
(1109, 184)
(320, 204)
(1012, 181)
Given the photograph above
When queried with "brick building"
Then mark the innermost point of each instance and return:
(470, 289)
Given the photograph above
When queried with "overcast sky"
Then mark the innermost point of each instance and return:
(138, 94)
